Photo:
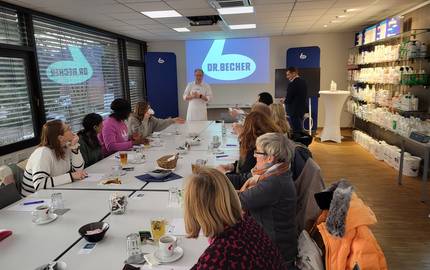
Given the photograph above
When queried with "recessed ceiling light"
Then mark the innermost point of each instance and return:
(181, 29)
(341, 16)
(337, 21)
(161, 14)
(350, 10)
(235, 10)
(242, 26)
(325, 25)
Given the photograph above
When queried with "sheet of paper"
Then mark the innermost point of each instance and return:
(30, 207)
(94, 177)
(177, 227)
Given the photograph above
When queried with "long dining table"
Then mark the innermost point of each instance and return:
(31, 245)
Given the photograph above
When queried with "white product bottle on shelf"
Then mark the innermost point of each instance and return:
(423, 50)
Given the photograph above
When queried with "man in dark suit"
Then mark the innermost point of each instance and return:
(295, 101)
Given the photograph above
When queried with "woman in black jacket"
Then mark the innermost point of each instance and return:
(270, 195)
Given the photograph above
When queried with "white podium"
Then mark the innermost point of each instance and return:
(333, 103)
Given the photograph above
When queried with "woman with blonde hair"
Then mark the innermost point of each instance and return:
(143, 122)
(236, 242)
(280, 117)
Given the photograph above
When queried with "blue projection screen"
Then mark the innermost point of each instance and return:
(229, 61)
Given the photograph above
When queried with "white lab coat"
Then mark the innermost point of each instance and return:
(197, 110)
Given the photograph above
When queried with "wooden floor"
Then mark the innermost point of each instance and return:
(403, 228)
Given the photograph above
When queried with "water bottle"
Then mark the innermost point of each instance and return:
(223, 129)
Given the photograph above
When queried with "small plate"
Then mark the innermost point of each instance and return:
(136, 259)
(136, 161)
(49, 220)
(177, 254)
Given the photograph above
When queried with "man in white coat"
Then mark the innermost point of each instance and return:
(197, 93)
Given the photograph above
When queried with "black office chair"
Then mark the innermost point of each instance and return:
(8, 195)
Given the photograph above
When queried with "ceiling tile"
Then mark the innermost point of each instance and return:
(148, 6)
(184, 4)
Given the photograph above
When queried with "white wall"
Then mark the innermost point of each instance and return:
(334, 55)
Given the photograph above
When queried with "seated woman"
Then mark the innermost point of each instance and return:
(270, 195)
(114, 135)
(279, 116)
(142, 121)
(56, 161)
(91, 149)
(236, 242)
(256, 124)
(257, 107)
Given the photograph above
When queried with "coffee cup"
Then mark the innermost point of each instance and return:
(41, 213)
(167, 245)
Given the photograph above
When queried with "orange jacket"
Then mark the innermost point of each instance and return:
(357, 245)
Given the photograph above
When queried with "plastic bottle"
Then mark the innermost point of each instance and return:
(423, 50)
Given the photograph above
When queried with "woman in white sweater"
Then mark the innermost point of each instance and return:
(56, 161)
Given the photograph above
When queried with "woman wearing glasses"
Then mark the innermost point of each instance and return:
(270, 195)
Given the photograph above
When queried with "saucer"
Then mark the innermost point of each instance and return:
(49, 220)
(136, 259)
(177, 254)
(137, 161)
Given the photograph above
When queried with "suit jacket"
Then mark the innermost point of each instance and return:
(295, 101)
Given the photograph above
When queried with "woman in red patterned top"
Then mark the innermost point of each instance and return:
(236, 241)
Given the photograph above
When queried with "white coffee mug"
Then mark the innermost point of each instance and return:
(41, 213)
(167, 245)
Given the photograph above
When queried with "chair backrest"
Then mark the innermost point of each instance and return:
(18, 175)
(300, 155)
(8, 195)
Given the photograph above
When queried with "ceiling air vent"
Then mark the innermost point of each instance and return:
(230, 3)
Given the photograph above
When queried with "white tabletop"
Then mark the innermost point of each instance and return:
(110, 253)
(33, 245)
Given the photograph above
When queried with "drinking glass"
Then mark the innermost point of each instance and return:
(158, 228)
(174, 197)
(116, 171)
(133, 245)
(57, 201)
(123, 158)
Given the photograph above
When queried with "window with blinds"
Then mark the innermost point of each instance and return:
(16, 123)
(12, 30)
(135, 72)
(135, 81)
(133, 51)
(79, 71)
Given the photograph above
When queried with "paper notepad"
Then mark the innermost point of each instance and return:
(177, 227)
(94, 177)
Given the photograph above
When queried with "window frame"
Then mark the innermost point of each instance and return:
(29, 54)
(137, 63)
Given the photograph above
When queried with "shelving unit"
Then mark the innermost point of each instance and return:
(407, 82)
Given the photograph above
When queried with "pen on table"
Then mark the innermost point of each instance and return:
(33, 202)
(221, 156)
(231, 144)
